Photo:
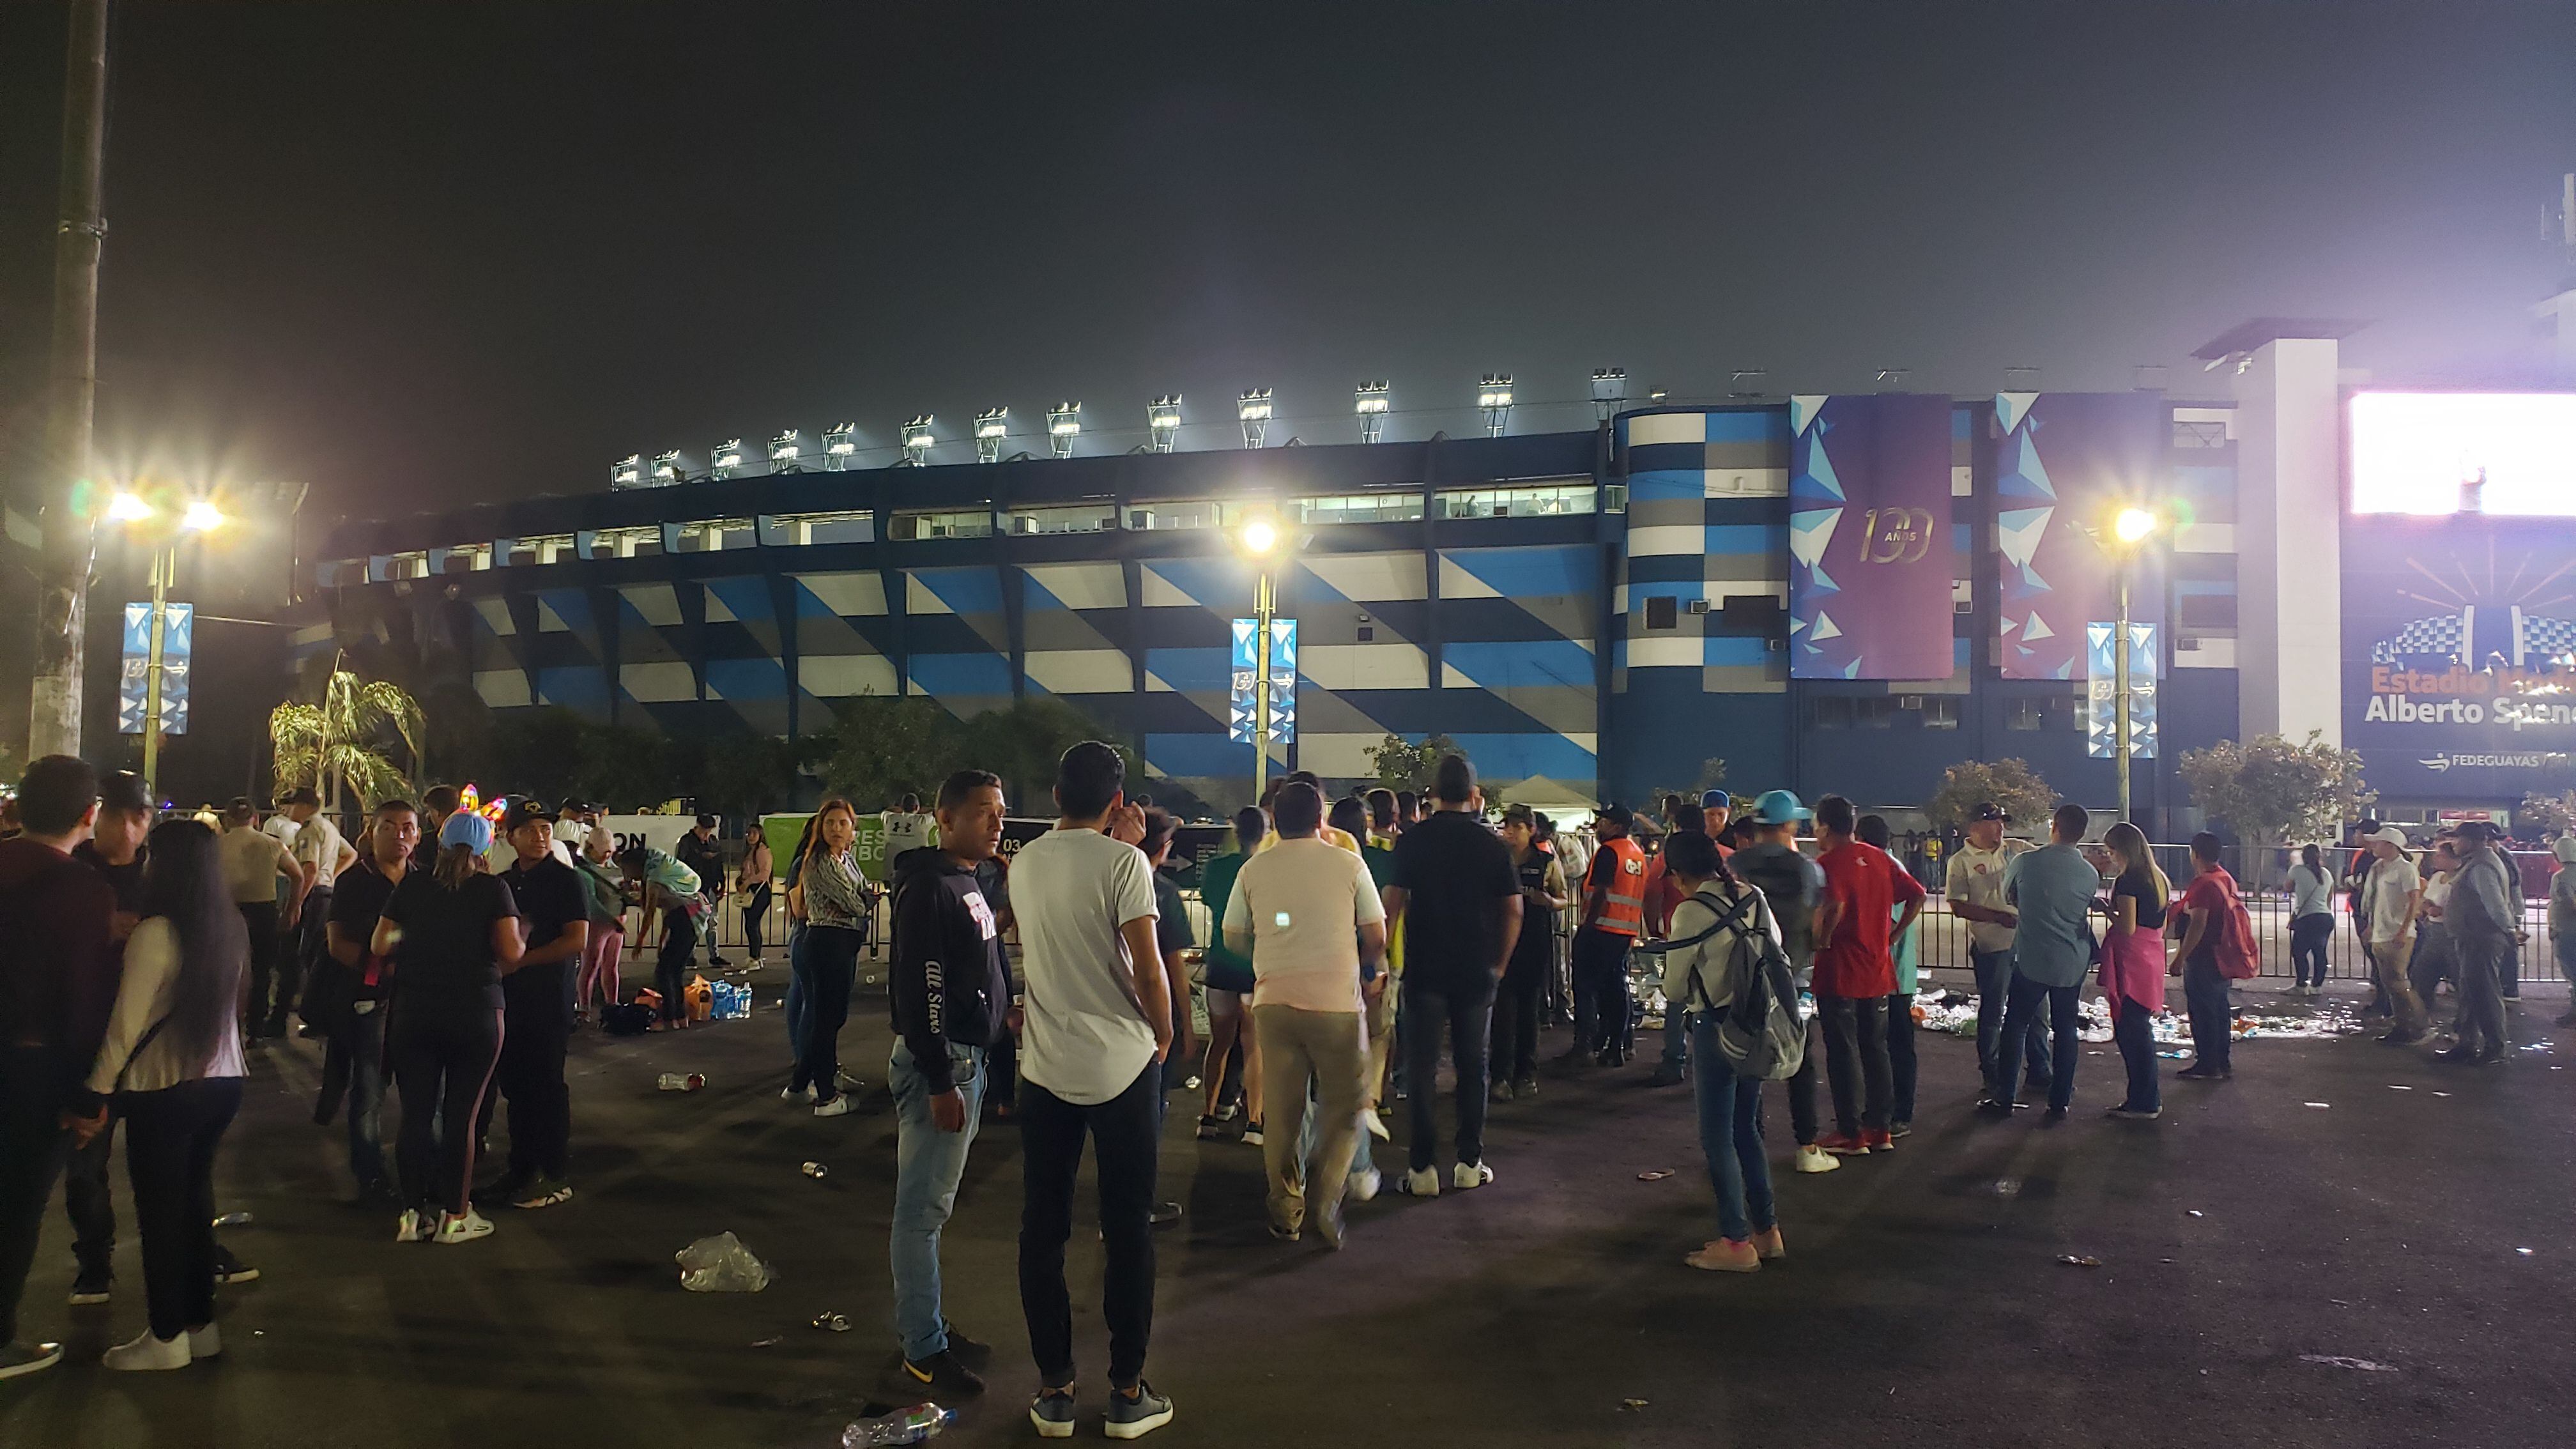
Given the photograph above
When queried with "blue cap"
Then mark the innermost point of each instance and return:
(1779, 807)
(466, 828)
(1715, 799)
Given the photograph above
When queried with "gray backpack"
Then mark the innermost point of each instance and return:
(1761, 1036)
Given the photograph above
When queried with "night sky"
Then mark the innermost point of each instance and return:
(429, 254)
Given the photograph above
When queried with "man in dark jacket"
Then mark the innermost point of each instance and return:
(57, 986)
(2484, 915)
(952, 997)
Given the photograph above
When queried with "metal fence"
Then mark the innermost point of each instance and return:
(1944, 937)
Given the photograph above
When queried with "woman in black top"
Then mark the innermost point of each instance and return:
(452, 933)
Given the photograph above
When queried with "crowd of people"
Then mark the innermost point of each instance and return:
(1354, 944)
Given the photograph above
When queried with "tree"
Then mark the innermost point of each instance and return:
(745, 774)
(883, 747)
(1401, 765)
(2271, 791)
(2012, 784)
(340, 742)
(2548, 814)
(1024, 742)
(1712, 773)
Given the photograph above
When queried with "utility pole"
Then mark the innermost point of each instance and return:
(54, 723)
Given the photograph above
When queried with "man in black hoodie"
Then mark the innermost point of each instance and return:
(952, 999)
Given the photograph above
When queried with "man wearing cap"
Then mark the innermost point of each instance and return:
(1791, 884)
(1614, 915)
(1975, 889)
(2393, 889)
(253, 863)
(554, 925)
(320, 853)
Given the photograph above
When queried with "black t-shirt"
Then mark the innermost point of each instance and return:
(550, 897)
(1452, 871)
(357, 899)
(126, 880)
(706, 857)
(2151, 916)
(446, 949)
(1537, 943)
(1172, 921)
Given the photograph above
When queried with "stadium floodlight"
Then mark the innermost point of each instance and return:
(1064, 425)
(1253, 411)
(1369, 400)
(666, 467)
(726, 460)
(839, 443)
(1494, 395)
(1609, 390)
(201, 517)
(128, 507)
(918, 440)
(1163, 416)
(786, 452)
(627, 472)
(992, 425)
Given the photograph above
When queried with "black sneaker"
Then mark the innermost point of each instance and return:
(28, 1358)
(941, 1373)
(1524, 1086)
(969, 1352)
(90, 1287)
(1211, 1129)
(230, 1270)
(1052, 1412)
(1137, 1412)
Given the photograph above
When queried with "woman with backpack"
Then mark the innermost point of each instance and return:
(2133, 966)
(172, 1059)
(1704, 972)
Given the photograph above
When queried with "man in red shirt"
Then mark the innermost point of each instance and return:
(1855, 974)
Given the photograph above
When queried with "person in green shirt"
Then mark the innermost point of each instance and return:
(1229, 985)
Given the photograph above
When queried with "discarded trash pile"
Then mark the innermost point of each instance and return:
(1955, 1012)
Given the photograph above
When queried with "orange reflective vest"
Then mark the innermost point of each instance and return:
(1621, 910)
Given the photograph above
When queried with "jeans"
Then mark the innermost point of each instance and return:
(2308, 937)
(1994, 990)
(87, 1203)
(361, 1042)
(795, 992)
(32, 1148)
(170, 1141)
(2133, 1028)
(1516, 1012)
(2064, 1007)
(1730, 1134)
(531, 1071)
(927, 1165)
(671, 967)
(1900, 1057)
(829, 967)
(714, 914)
(2212, 1018)
(1317, 1056)
(1051, 1135)
(1604, 1011)
(2481, 967)
(443, 1052)
(266, 964)
(1468, 1016)
(305, 949)
(754, 916)
(1677, 1036)
(1856, 1064)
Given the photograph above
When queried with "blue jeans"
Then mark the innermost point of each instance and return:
(927, 1165)
(1730, 1133)
(1676, 1037)
(2205, 994)
(1994, 991)
(364, 1042)
(2022, 1019)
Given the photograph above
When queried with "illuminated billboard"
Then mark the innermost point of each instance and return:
(2433, 454)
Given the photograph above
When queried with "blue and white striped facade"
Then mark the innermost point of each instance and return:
(1535, 641)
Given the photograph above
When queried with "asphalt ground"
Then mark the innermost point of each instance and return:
(2305, 1211)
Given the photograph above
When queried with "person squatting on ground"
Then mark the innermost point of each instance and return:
(951, 999)
(1458, 901)
(1868, 898)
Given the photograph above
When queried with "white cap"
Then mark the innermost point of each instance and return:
(2390, 835)
(2565, 849)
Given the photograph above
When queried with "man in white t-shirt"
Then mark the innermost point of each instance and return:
(906, 828)
(1097, 1020)
(2393, 889)
(1309, 916)
(1974, 891)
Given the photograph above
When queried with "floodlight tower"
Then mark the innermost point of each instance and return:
(627, 472)
(1064, 427)
(1163, 417)
(918, 440)
(1609, 391)
(1369, 400)
(666, 467)
(839, 445)
(992, 425)
(787, 452)
(1494, 395)
(1253, 411)
(726, 460)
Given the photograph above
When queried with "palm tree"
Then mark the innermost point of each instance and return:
(335, 743)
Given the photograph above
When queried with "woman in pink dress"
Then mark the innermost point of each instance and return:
(2133, 965)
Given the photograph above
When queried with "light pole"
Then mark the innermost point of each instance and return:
(1260, 540)
(199, 517)
(2133, 527)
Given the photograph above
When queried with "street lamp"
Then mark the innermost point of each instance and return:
(199, 517)
(2132, 527)
(1259, 540)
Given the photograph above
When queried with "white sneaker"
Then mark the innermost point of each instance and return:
(1252, 1136)
(796, 1094)
(1470, 1174)
(839, 1106)
(465, 1229)
(206, 1342)
(411, 1227)
(148, 1354)
(1363, 1185)
(1812, 1158)
(1425, 1183)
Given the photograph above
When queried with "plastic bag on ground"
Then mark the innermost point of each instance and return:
(721, 1264)
(903, 1426)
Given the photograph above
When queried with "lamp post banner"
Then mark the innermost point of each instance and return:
(1871, 551)
(134, 677)
(2064, 464)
